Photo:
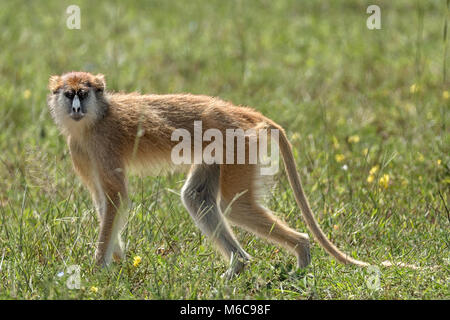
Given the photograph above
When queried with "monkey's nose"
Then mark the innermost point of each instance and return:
(76, 105)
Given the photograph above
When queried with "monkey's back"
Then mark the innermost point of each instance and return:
(150, 120)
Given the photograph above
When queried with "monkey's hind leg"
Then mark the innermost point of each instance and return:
(199, 196)
(245, 212)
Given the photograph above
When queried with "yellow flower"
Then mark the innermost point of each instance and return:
(414, 88)
(94, 289)
(384, 181)
(420, 157)
(335, 143)
(339, 157)
(365, 151)
(445, 95)
(353, 139)
(374, 170)
(136, 261)
(410, 108)
(27, 94)
(370, 178)
(295, 137)
(438, 162)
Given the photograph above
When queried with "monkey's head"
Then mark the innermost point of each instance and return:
(76, 97)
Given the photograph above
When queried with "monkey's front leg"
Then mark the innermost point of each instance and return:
(112, 218)
(106, 185)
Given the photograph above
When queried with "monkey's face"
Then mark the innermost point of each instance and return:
(76, 97)
(74, 101)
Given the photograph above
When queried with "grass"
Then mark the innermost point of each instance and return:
(350, 99)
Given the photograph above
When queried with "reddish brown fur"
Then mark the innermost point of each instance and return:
(132, 129)
(76, 81)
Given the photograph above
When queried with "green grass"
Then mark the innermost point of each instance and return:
(313, 67)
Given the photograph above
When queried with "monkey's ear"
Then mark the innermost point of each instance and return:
(99, 82)
(54, 83)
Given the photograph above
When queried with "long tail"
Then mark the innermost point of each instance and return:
(302, 201)
(311, 222)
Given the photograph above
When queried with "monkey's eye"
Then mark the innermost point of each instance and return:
(69, 94)
(82, 94)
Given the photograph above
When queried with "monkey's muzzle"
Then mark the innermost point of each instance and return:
(77, 116)
(76, 113)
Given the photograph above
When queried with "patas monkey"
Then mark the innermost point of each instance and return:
(108, 133)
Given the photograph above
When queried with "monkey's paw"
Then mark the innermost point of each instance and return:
(237, 264)
(303, 255)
